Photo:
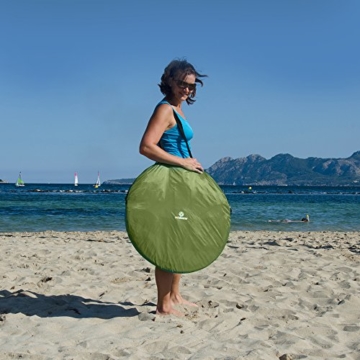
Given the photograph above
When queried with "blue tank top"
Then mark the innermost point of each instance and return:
(172, 142)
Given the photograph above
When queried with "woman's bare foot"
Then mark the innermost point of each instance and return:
(179, 300)
(171, 311)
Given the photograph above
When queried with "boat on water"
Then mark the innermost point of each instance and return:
(76, 180)
(19, 181)
(98, 183)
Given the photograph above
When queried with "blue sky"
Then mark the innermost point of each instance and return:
(78, 81)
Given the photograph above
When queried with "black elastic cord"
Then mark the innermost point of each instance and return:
(181, 131)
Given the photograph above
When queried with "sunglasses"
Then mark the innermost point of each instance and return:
(183, 85)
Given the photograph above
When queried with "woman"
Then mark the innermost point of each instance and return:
(163, 143)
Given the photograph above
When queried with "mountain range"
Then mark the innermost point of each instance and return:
(282, 170)
(285, 169)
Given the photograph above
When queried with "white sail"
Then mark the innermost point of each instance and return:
(19, 181)
(98, 183)
(76, 180)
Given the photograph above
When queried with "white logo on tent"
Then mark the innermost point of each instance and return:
(181, 216)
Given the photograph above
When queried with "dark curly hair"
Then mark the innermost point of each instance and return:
(177, 70)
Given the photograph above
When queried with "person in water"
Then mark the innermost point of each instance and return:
(163, 143)
(304, 219)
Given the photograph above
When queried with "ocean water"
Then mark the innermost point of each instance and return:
(64, 207)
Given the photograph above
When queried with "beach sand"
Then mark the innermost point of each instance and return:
(270, 295)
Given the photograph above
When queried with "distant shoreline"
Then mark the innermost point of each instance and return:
(253, 186)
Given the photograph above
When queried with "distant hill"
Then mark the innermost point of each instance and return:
(284, 169)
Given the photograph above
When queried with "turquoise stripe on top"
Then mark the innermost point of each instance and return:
(172, 141)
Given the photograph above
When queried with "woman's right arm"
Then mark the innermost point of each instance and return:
(161, 120)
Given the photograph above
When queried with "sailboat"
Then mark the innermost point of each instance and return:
(98, 183)
(19, 181)
(76, 180)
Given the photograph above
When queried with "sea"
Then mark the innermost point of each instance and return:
(64, 207)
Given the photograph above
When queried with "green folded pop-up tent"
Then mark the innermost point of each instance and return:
(177, 219)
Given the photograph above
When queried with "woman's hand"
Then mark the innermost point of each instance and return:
(192, 165)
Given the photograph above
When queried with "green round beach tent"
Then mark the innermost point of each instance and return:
(177, 219)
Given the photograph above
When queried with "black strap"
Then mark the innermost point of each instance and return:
(181, 131)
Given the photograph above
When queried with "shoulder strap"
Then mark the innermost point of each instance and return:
(181, 131)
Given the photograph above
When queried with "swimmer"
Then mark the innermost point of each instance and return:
(304, 219)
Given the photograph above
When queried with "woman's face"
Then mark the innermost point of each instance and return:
(181, 89)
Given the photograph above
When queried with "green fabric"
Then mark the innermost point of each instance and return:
(177, 219)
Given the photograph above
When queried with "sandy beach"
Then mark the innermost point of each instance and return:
(270, 295)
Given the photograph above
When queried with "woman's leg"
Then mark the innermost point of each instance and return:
(164, 283)
(175, 295)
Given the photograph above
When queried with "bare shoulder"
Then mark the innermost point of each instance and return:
(163, 113)
(163, 110)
